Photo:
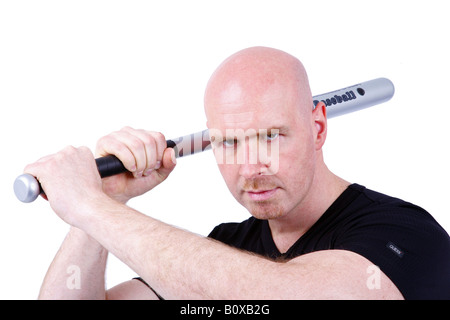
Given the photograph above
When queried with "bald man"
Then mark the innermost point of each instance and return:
(311, 234)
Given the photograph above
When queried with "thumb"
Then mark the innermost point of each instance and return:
(168, 162)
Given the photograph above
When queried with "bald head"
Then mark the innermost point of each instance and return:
(264, 131)
(255, 75)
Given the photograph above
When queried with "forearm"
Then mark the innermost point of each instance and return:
(181, 265)
(78, 269)
(176, 263)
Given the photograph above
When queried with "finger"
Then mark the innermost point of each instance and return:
(137, 147)
(116, 144)
(168, 163)
(152, 142)
(35, 168)
(155, 144)
(147, 148)
(161, 146)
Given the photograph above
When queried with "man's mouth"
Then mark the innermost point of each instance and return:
(261, 195)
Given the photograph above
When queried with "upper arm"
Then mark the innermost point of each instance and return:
(131, 290)
(337, 274)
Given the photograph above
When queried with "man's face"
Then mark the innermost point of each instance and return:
(264, 147)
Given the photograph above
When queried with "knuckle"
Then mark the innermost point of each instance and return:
(115, 147)
(102, 141)
(136, 144)
(103, 138)
(108, 140)
(159, 136)
(126, 129)
(85, 150)
(148, 140)
(160, 140)
(114, 144)
(64, 153)
(69, 149)
(114, 135)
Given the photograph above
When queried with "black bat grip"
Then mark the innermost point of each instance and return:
(110, 165)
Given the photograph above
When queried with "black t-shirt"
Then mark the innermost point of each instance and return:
(402, 239)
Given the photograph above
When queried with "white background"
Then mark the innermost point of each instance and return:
(73, 71)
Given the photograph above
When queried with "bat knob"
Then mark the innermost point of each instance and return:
(26, 188)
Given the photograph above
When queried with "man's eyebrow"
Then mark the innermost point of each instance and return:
(232, 135)
(280, 129)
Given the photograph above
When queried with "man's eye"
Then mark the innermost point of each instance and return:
(271, 136)
(229, 143)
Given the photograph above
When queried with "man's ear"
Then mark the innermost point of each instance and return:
(320, 124)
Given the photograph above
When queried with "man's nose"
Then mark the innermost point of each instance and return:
(251, 163)
(249, 171)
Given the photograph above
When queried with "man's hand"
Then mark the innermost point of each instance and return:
(71, 180)
(144, 154)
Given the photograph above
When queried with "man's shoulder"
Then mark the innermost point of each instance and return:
(373, 210)
(370, 201)
(403, 239)
(374, 197)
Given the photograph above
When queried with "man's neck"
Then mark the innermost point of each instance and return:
(325, 189)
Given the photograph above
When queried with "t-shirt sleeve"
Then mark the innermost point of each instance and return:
(407, 244)
(219, 232)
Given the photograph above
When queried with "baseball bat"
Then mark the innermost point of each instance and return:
(339, 102)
